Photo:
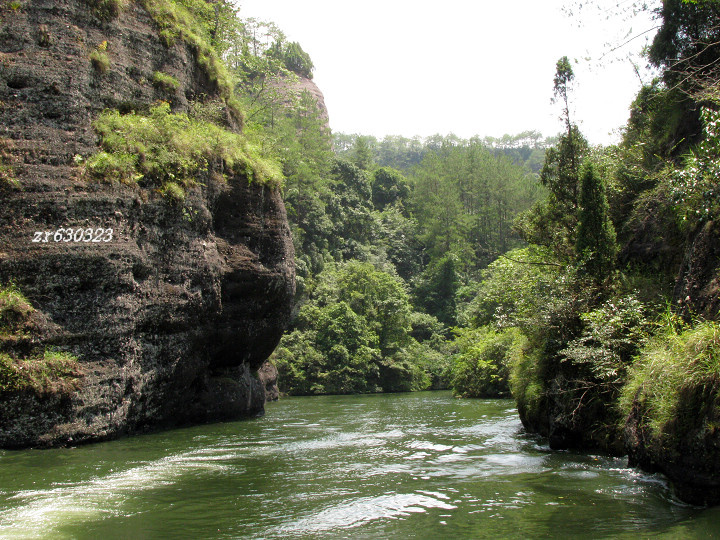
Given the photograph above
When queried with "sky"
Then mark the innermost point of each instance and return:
(414, 67)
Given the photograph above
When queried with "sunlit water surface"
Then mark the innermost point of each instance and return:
(421, 465)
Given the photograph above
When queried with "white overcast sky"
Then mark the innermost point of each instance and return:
(414, 67)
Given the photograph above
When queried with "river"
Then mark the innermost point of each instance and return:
(419, 465)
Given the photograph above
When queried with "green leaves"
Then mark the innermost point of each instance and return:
(297, 60)
(465, 198)
(613, 334)
(695, 187)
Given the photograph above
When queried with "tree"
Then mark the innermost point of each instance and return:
(389, 186)
(567, 158)
(353, 335)
(362, 155)
(561, 86)
(687, 48)
(561, 170)
(297, 60)
(688, 43)
(436, 289)
(350, 208)
(553, 222)
(596, 245)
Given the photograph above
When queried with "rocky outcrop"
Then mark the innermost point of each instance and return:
(687, 449)
(175, 308)
(268, 375)
(291, 89)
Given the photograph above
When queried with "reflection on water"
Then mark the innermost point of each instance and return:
(420, 465)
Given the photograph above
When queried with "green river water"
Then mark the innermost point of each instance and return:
(420, 465)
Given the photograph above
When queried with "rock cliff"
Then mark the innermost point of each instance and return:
(170, 314)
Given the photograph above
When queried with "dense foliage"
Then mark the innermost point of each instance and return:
(355, 334)
(590, 295)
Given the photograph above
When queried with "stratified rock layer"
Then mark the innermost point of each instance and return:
(171, 318)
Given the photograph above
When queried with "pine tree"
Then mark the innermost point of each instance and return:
(596, 244)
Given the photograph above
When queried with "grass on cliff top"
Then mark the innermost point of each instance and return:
(165, 82)
(171, 151)
(672, 365)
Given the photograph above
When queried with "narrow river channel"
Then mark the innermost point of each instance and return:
(420, 465)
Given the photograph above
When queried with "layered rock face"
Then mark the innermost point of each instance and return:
(175, 307)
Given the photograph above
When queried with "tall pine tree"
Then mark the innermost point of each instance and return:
(596, 245)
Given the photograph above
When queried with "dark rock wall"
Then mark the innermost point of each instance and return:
(172, 317)
(687, 450)
(697, 289)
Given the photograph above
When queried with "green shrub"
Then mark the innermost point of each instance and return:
(403, 371)
(117, 166)
(517, 286)
(168, 37)
(673, 364)
(100, 60)
(15, 311)
(527, 385)
(613, 335)
(695, 187)
(173, 192)
(481, 367)
(107, 10)
(353, 336)
(166, 83)
(535, 373)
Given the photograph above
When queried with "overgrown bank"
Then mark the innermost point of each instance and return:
(615, 300)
